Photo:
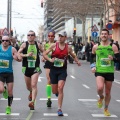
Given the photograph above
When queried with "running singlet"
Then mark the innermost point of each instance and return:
(47, 46)
(60, 56)
(103, 63)
(31, 61)
(6, 59)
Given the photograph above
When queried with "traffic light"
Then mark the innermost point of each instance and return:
(74, 32)
(11, 32)
(42, 4)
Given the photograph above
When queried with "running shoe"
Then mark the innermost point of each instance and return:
(60, 113)
(100, 103)
(30, 96)
(31, 105)
(106, 112)
(49, 102)
(8, 110)
(5, 93)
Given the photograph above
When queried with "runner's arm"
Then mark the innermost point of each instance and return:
(73, 55)
(45, 53)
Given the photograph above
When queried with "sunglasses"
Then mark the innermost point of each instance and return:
(51, 36)
(5, 40)
(30, 35)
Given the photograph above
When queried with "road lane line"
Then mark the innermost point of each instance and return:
(13, 99)
(117, 81)
(30, 115)
(47, 99)
(72, 77)
(118, 100)
(53, 114)
(102, 115)
(88, 100)
(86, 86)
(12, 114)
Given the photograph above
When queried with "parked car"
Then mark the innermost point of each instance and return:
(81, 54)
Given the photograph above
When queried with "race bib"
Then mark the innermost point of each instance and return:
(4, 63)
(31, 64)
(105, 62)
(31, 61)
(58, 62)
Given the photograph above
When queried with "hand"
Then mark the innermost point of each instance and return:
(110, 57)
(93, 69)
(30, 54)
(52, 60)
(79, 64)
(42, 59)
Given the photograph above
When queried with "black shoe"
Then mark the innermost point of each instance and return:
(49, 102)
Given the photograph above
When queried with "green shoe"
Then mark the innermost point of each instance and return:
(5, 93)
(100, 103)
(8, 110)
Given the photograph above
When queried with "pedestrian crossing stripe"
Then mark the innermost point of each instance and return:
(102, 115)
(87, 100)
(13, 99)
(47, 99)
(53, 114)
(12, 114)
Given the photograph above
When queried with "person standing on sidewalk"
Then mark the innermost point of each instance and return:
(58, 71)
(47, 66)
(29, 50)
(105, 54)
(7, 54)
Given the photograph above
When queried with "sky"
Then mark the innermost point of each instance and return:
(26, 15)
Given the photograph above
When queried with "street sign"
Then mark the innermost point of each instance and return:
(109, 26)
(94, 28)
(94, 34)
(5, 32)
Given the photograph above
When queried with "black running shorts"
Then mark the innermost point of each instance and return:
(57, 74)
(6, 77)
(106, 76)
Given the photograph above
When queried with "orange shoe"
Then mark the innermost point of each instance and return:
(106, 112)
(100, 102)
(30, 96)
(31, 105)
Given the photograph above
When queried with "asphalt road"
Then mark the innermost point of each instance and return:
(79, 103)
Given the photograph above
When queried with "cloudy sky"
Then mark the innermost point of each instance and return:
(26, 15)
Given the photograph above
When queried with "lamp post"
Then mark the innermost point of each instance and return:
(9, 14)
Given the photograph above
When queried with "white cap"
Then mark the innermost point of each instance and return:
(63, 33)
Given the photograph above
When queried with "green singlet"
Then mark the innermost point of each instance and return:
(103, 63)
(32, 59)
(47, 46)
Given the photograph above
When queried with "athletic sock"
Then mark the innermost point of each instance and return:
(10, 99)
(48, 91)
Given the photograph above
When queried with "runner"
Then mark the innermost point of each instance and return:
(31, 65)
(7, 54)
(104, 68)
(47, 66)
(58, 71)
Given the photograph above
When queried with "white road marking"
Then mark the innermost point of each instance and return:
(39, 79)
(72, 77)
(53, 114)
(47, 99)
(86, 86)
(102, 115)
(13, 114)
(117, 81)
(13, 99)
(89, 100)
(118, 100)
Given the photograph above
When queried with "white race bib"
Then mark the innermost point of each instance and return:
(105, 62)
(58, 62)
(4, 63)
